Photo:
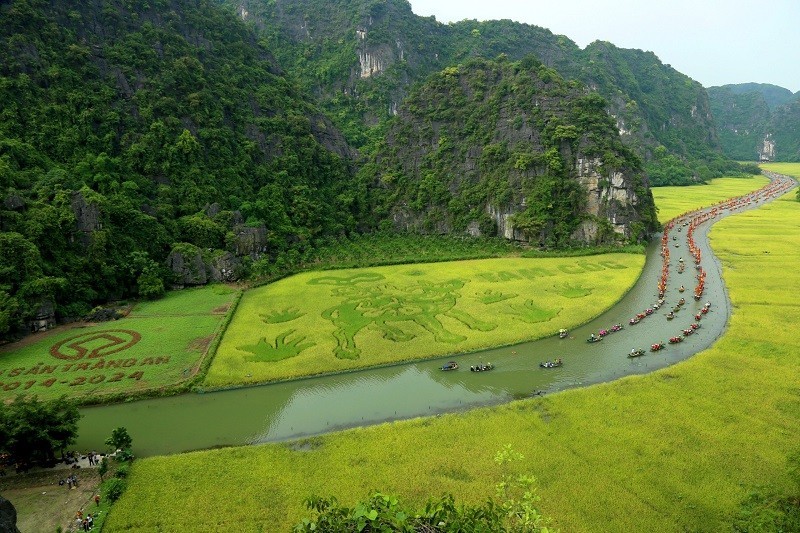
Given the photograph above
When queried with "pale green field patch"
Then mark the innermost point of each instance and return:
(158, 345)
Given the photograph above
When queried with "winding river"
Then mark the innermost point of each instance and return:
(314, 406)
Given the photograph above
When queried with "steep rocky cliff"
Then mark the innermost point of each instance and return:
(510, 148)
(362, 56)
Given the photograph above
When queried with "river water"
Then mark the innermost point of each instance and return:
(307, 407)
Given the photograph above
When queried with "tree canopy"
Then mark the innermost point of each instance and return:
(32, 431)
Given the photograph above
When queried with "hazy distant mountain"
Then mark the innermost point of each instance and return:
(773, 95)
(757, 121)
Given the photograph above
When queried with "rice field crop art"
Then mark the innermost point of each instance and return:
(157, 346)
(332, 321)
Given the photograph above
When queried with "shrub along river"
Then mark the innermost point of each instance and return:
(313, 406)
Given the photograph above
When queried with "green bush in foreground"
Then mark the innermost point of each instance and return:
(513, 511)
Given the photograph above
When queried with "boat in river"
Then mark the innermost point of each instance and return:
(451, 365)
(480, 367)
(552, 364)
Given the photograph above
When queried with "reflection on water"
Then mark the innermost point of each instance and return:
(318, 405)
(404, 393)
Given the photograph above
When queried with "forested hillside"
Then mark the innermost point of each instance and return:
(757, 121)
(510, 147)
(149, 143)
(361, 57)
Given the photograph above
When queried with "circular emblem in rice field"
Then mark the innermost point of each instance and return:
(95, 344)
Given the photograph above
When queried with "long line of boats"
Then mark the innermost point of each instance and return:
(690, 220)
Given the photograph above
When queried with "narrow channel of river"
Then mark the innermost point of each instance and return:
(313, 406)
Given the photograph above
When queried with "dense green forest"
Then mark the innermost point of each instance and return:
(757, 121)
(134, 131)
(151, 144)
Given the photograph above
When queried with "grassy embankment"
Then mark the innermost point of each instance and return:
(673, 450)
(158, 345)
(319, 322)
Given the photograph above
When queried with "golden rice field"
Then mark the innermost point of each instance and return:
(673, 201)
(321, 322)
(675, 450)
(789, 169)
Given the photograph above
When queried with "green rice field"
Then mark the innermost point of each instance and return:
(674, 450)
(322, 322)
(159, 344)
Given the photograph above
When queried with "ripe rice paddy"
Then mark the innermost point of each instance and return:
(159, 344)
(321, 322)
(674, 450)
(673, 201)
(788, 169)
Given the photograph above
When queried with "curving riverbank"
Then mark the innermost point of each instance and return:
(319, 405)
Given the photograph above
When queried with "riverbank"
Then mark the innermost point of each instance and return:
(676, 449)
(44, 503)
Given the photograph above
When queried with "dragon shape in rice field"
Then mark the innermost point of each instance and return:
(391, 309)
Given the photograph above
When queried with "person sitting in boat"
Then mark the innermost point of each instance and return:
(592, 338)
(633, 351)
(671, 315)
(558, 361)
(681, 288)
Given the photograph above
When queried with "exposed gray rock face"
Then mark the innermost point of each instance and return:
(502, 219)
(767, 151)
(189, 268)
(14, 202)
(45, 317)
(213, 210)
(87, 217)
(223, 267)
(251, 242)
(8, 517)
(611, 198)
